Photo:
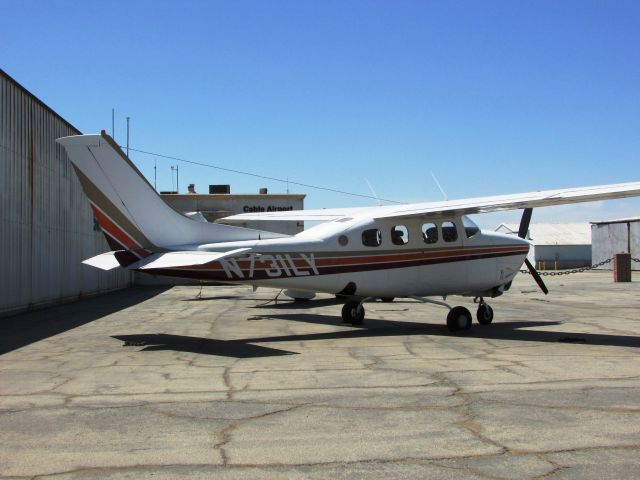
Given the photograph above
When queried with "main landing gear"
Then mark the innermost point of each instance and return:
(459, 318)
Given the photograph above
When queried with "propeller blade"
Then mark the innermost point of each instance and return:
(524, 223)
(522, 233)
(536, 276)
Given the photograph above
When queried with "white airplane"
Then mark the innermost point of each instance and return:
(413, 251)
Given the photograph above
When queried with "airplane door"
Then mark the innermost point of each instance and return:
(453, 238)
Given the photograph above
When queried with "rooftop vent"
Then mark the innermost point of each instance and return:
(214, 189)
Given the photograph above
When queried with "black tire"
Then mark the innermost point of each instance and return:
(352, 314)
(484, 314)
(459, 318)
(387, 299)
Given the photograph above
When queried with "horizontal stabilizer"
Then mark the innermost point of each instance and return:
(182, 259)
(104, 261)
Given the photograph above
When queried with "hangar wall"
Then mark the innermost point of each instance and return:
(46, 225)
(616, 236)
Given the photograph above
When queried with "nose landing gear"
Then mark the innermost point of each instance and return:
(484, 313)
(353, 312)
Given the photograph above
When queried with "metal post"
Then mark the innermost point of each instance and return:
(128, 118)
(177, 178)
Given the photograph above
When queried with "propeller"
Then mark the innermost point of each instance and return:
(522, 233)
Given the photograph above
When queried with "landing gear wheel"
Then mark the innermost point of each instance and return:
(387, 299)
(459, 318)
(352, 314)
(484, 314)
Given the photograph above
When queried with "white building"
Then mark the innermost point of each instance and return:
(556, 245)
(212, 207)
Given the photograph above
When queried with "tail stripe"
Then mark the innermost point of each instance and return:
(130, 209)
(119, 234)
(110, 213)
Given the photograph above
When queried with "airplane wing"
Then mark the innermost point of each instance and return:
(108, 261)
(323, 215)
(544, 198)
(454, 207)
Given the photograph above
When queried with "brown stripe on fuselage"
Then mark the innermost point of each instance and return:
(347, 265)
(332, 259)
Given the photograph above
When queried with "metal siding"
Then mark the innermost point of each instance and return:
(611, 238)
(47, 225)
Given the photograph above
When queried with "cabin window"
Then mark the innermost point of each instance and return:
(430, 233)
(449, 232)
(399, 235)
(372, 238)
(470, 228)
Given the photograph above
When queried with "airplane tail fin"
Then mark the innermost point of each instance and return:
(134, 218)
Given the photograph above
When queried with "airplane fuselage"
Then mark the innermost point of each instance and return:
(373, 258)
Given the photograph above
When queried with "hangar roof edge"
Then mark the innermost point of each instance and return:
(617, 220)
(38, 101)
(231, 196)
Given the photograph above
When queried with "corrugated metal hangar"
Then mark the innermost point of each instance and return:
(47, 227)
(616, 236)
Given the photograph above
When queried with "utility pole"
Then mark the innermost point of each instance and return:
(155, 174)
(128, 118)
(113, 123)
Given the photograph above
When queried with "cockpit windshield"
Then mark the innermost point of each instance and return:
(470, 228)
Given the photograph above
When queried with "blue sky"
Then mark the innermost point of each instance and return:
(492, 96)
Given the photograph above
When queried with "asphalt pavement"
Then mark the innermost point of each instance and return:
(160, 383)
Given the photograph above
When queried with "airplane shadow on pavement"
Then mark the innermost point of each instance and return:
(247, 348)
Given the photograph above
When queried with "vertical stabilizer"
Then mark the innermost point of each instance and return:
(129, 210)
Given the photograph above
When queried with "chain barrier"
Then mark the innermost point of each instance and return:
(577, 270)
(636, 260)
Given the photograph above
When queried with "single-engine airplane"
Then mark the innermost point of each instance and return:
(414, 251)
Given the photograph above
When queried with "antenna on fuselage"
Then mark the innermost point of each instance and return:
(444, 194)
(373, 192)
